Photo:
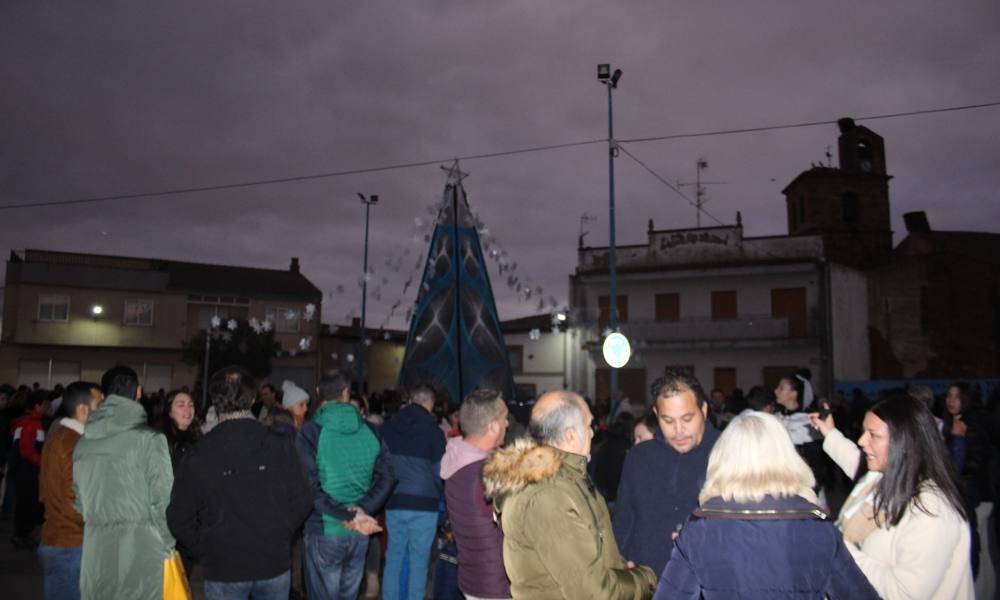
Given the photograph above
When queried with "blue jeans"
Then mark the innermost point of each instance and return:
(275, 588)
(410, 531)
(334, 565)
(61, 569)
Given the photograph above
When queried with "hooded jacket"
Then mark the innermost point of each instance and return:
(416, 444)
(239, 498)
(557, 531)
(346, 464)
(122, 479)
(477, 534)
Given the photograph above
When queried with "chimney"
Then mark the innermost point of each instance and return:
(294, 267)
(846, 124)
(916, 222)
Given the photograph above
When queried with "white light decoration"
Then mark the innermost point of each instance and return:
(616, 350)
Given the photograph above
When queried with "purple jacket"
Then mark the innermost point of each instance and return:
(477, 534)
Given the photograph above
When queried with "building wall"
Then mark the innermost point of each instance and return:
(89, 364)
(542, 360)
(849, 323)
(83, 329)
(749, 364)
(384, 358)
(752, 284)
(94, 344)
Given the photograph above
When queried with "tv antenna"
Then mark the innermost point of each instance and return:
(584, 219)
(699, 188)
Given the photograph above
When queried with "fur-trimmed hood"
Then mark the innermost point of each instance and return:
(511, 470)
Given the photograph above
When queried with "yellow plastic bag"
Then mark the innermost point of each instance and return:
(175, 582)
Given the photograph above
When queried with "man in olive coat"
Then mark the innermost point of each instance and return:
(122, 479)
(558, 541)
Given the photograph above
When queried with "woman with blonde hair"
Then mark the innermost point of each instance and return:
(758, 532)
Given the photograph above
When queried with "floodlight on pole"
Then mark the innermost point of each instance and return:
(363, 383)
(97, 310)
(610, 80)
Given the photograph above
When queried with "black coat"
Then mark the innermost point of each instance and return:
(238, 498)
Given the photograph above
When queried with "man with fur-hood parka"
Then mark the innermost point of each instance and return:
(558, 541)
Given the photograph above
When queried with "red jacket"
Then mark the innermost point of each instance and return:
(29, 435)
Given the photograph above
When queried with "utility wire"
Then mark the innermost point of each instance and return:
(664, 181)
(425, 163)
(257, 182)
(677, 136)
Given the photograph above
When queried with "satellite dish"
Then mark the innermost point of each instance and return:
(616, 350)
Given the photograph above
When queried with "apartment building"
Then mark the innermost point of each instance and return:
(70, 316)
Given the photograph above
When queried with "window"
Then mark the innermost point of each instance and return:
(206, 312)
(668, 307)
(285, 320)
(515, 354)
(864, 150)
(200, 299)
(525, 392)
(725, 380)
(47, 373)
(772, 375)
(139, 313)
(851, 208)
(53, 308)
(603, 316)
(724, 305)
(153, 377)
(790, 303)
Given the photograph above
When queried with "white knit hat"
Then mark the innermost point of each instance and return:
(292, 394)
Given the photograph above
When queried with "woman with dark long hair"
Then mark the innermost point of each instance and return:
(964, 428)
(906, 523)
(179, 423)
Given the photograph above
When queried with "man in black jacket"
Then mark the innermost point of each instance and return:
(239, 497)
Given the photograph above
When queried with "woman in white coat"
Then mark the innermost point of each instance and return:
(905, 522)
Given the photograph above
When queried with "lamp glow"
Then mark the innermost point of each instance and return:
(561, 316)
(616, 350)
(96, 310)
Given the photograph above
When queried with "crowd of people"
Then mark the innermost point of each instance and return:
(275, 492)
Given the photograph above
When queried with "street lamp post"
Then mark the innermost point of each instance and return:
(362, 363)
(610, 80)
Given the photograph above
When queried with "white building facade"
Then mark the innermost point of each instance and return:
(735, 311)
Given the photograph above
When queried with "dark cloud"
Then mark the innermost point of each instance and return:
(133, 97)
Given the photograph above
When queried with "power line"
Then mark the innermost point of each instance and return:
(677, 136)
(425, 163)
(297, 178)
(664, 181)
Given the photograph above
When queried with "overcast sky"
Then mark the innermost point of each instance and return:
(130, 97)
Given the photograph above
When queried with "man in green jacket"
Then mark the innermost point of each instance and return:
(122, 479)
(558, 541)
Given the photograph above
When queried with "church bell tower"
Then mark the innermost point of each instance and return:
(847, 205)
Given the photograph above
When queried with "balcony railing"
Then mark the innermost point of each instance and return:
(747, 327)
